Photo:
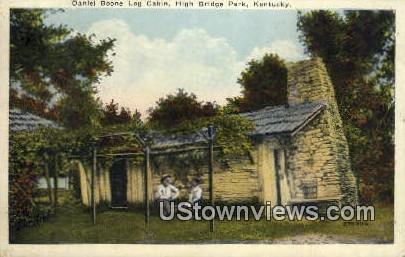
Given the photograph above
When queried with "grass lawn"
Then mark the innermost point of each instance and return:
(72, 224)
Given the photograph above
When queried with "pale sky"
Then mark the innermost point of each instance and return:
(202, 51)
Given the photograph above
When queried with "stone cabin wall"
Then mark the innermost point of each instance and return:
(330, 162)
(235, 181)
(311, 159)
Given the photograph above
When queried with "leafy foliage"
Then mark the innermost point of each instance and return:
(232, 133)
(29, 153)
(33, 153)
(62, 84)
(81, 109)
(176, 109)
(358, 49)
(184, 114)
(113, 117)
(264, 83)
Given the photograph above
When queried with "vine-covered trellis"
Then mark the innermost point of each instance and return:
(48, 152)
(146, 152)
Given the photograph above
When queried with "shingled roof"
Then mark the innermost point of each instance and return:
(25, 121)
(163, 141)
(283, 118)
(270, 120)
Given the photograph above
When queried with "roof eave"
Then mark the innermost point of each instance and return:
(308, 120)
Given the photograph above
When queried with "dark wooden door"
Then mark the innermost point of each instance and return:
(118, 182)
(277, 169)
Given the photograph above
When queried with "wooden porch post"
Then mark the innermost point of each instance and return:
(147, 204)
(211, 169)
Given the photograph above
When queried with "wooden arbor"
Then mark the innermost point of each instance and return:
(147, 153)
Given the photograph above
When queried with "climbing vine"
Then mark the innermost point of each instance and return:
(32, 154)
(43, 152)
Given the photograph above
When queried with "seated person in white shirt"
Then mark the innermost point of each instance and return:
(166, 193)
(195, 196)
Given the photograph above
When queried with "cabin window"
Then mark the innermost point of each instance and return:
(310, 190)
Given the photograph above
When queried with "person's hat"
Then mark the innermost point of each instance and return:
(197, 179)
(165, 176)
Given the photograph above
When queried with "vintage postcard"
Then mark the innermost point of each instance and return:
(206, 128)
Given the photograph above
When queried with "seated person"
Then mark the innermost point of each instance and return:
(166, 193)
(195, 195)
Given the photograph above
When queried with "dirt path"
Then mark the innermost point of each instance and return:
(327, 239)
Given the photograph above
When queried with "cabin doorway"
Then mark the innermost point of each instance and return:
(118, 178)
(279, 176)
(282, 187)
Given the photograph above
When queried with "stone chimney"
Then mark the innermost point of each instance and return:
(308, 81)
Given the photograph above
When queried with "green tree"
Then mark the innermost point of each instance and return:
(182, 113)
(358, 48)
(50, 66)
(111, 115)
(80, 109)
(180, 108)
(264, 83)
